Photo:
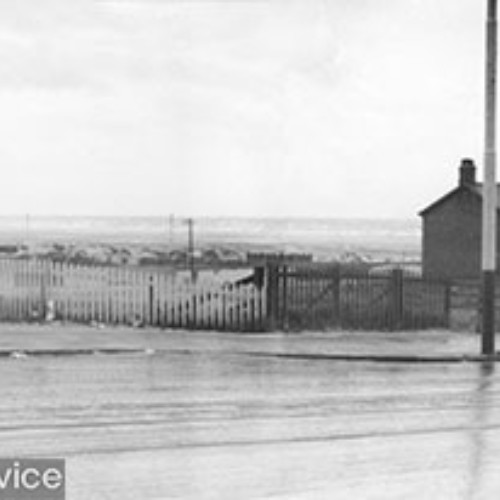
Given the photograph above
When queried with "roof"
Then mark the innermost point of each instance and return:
(476, 189)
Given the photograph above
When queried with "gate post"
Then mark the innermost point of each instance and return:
(272, 299)
(335, 277)
(397, 306)
(283, 320)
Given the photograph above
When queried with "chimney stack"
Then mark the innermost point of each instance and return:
(467, 172)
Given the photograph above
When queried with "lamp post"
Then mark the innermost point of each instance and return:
(489, 229)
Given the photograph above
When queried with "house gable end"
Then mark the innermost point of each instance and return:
(447, 197)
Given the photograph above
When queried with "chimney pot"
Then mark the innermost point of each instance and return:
(467, 172)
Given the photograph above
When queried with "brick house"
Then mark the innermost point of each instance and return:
(451, 230)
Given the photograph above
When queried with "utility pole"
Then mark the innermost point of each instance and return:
(489, 216)
(171, 230)
(190, 223)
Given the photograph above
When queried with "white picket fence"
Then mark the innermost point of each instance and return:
(117, 295)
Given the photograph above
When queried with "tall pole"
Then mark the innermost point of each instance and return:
(171, 230)
(489, 229)
(190, 223)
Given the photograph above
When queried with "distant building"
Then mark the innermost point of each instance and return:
(451, 227)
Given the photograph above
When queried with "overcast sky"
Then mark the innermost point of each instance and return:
(331, 108)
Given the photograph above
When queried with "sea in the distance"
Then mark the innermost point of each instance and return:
(325, 238)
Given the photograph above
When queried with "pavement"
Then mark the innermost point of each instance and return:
(18, 339)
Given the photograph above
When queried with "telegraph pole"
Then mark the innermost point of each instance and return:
(489, 224)
(190, 223)
(171, 230)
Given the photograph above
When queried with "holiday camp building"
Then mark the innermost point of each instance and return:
(451, 227)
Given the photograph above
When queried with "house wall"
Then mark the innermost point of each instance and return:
(451, 247)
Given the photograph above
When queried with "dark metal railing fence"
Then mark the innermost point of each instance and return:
(326, 296)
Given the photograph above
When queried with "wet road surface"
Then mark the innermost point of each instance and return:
(195, 424)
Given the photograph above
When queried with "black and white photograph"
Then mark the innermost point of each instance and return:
(249, 249)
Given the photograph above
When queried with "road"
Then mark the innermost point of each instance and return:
(217, 424)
